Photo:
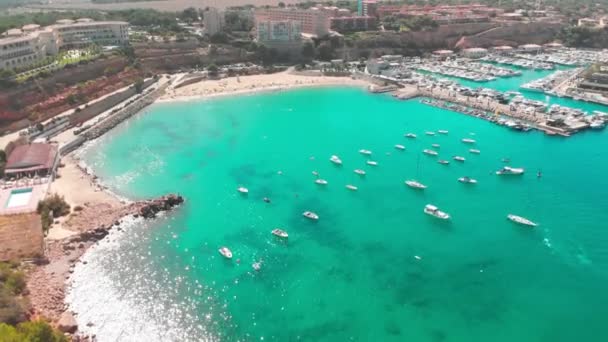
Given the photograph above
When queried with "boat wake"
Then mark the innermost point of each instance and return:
(119, 293)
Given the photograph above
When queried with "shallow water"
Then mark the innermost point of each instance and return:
(353, 274)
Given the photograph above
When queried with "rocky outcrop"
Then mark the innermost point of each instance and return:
(67, 323)
(150, 209)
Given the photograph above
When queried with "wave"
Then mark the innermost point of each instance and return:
(118, 292)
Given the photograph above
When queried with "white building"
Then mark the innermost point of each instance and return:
(530, 48)
(312, 21)
(283, 35)
(21, 48)
(214, 21)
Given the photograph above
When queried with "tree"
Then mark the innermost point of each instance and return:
(325, 51)
(190, 14)
(308, 51)
(36, 331)
(281, 4)
(212, 69)
(139, 85)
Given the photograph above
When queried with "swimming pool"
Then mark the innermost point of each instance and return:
(19, 198)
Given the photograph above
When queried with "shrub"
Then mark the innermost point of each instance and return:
(78, 208)
(30, 331)
(54, 204)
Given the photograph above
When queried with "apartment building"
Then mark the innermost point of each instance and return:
(282, 35)
(312, 21)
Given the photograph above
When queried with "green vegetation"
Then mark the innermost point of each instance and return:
(13, 308)
(417, 23)
(584, 37)
(36, 331)
(50, 208)
(237, 21)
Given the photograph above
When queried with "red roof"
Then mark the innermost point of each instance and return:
(32, 157)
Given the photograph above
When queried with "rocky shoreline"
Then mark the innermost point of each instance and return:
(47, 279)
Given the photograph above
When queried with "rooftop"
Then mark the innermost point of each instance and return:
(32, 157)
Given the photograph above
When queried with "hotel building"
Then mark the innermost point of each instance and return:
(21, 48)
(312, 21)
(282, 35)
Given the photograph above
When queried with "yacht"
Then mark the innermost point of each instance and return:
(429, 133)
(414, 184)
(310, 215)
(597, 125)
(474, 151)
(441, 131)
(434, 211)
(242, 190)
(411, 135)
(436, 146)
(224, 251)
(459, 158)
(400, 147)
(467, 180)
(372, 163)
(360, 172)
(352, 187)
(321, 181)
(336, 160)
(468, 141)
(430, 152)
(444, 162)
(506, 170)
(521, 220)
(365, 152)
(280, 233)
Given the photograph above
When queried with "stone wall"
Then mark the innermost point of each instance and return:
(20, 236)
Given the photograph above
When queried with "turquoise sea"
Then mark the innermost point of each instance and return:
(353, 275)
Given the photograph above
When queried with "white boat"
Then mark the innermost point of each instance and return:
(280, 233)
(430, 152)
(242, 190)
(468, 141)
(474, 151)
(414, 184)
(315, 173)
(400, 147)
(507, 170)
(429, 133)
(442, 131)
(310, 215)
(365, 152)
(321, 181)
(411, 135)
(225, 252)
(372, 163)
(444, 162)
(436, 146)
(597, 125)
(257, 265)
(352, 187)
(459, 158)
(521, 220)
(467, 180)
(360, 172)
(336, 160)
(434, 211)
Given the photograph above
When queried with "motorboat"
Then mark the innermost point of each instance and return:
(442, 131)
(459, 158)
(352, 187)
(336, 160)
(434, 211)
(436, 146)
(321, 181)
(372, 163)
(414, 184)
(521, 220)
(506, 170)
(468, 141)
(467, 180)
(310, 215)
(225, 252)
(242, 190)
(315, 173)
(280, 233)
(257, 265)
(430, 152)
(411, 135)
(365, 152)
(444, 162)
(474, 151)
(429, 133)
(400, 147)
(360, 172)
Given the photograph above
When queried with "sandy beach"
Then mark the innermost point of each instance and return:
(253, 84)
